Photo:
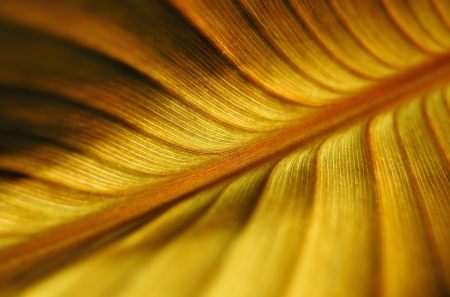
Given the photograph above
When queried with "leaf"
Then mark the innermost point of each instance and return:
(225, 148)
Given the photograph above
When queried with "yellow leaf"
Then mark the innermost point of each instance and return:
(225, 148)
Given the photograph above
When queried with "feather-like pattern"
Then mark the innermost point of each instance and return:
(225, 148)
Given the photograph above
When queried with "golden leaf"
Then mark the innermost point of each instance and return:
(225, 148)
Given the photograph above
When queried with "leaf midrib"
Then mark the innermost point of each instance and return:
(324, 121)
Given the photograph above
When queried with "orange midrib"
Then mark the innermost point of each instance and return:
(65, 237)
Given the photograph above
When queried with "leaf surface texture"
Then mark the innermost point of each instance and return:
(225, 148)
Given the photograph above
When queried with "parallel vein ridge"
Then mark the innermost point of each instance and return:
(225, 148)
